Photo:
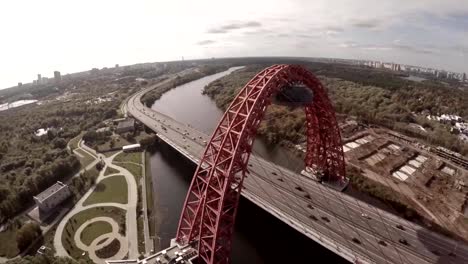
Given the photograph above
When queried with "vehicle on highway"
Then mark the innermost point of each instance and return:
(403, 241)
(365, 216)
(400, 227)
(313, 173)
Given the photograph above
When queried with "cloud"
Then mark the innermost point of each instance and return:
(234, 26)
(370, 23)
(396, 45)
(413, 49)
(206, 42)
(460, 48)
(306, 36)
(348, 44)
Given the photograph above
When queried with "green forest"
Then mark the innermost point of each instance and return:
(29, 163)
(372, 96)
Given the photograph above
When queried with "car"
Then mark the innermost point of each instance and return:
(313, 217)
(324, 218)
(383, 243)
(365, 216)
(299, 188)
(403, 241)
(274, 173)
(400, 227)
(355, 240)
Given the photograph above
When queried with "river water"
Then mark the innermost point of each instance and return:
(259, 237)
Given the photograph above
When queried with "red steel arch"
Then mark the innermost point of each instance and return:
(208, 215)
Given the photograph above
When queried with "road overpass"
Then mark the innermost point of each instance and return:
(353, 229)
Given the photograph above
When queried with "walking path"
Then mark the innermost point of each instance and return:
(129, 242)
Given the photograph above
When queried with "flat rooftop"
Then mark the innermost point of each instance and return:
(49, 191)
(126, 123)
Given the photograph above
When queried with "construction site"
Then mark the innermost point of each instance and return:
(434, 179)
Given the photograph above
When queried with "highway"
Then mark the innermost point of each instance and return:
(357, 231)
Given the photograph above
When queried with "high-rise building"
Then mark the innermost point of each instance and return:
(20, 84)
(38, 79)
(464, 77)
(116, 66)
(57, 76)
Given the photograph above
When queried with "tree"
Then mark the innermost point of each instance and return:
(148, 141)
(4, 192)
(99, 166)
(59, 143)
(27, 234)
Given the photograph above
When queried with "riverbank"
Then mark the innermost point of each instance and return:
(172, 174)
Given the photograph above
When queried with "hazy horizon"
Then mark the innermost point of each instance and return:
(43, 36)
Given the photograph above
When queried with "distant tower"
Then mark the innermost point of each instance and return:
(464, 77)
(117, 65)
(38, 79)
(20, 84)
(57, 76)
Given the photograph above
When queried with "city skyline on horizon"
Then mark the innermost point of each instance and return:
(51, 77)
(77, 36)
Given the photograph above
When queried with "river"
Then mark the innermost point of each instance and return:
(259, 237)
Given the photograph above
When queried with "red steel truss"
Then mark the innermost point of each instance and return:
(208, 215)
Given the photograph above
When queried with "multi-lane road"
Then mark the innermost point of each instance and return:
(357, 231)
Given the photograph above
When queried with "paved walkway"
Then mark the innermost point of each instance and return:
(109, 237)
(129, 243)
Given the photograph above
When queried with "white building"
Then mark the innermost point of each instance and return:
(52, 196)
(130, 148)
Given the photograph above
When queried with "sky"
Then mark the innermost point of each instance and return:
(71, 36)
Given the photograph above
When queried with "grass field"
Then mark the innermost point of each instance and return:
(110, 190)
(94, 230)
(133, 169)
(77, 220)
(141, 236)
(86, 159)
(74, 142)
(124, 159)
(149, 192)
(8, 246)
(129, 157)
(109, 171)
